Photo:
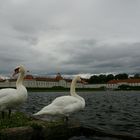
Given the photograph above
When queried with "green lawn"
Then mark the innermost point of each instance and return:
(17, 119)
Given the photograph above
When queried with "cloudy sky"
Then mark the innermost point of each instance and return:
(70, 36)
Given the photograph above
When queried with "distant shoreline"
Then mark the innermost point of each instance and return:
(62, 89)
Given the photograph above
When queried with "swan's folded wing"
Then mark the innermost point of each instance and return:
(6, 92)
(64, 101)
(72, 108)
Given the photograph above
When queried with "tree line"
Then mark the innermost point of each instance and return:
(102, 78)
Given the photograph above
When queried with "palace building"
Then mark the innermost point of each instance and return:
(31, 81)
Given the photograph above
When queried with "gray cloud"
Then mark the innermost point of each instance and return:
(89, 36)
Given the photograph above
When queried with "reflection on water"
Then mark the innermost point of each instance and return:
(116, 111)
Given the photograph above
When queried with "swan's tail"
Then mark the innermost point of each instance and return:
(38, 113)
(42, 112)
(35, 114)
(46, 111)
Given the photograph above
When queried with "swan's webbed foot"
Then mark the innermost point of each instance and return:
(2, 114)
(9, 114)
(67, 118)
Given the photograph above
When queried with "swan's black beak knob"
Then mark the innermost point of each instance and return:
(16, 71)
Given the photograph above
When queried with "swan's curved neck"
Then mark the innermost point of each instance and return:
(20, 79)
(72, 88)
(73, 93)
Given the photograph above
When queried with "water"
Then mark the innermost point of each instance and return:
(113, 110)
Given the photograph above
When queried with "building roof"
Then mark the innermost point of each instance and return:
(29, 77)
(58, 77)
(2, 79)
(46, 79)
(42, 78)
(124, 81)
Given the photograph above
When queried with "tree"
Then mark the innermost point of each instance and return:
(94, 79)
(102, 78)
(137, 75)
(121, 76)
(109, 77)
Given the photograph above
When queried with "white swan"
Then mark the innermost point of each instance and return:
(10, 97)
(65, 105)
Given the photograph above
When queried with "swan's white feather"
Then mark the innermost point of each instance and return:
(64, 105)
(10, 97)
(6, 92)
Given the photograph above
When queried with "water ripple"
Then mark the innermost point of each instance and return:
(116, 111)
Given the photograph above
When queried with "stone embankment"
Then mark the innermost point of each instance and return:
(41, 130)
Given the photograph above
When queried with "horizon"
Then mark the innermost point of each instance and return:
(83, 75)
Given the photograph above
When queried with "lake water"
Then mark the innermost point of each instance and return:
(111, 110)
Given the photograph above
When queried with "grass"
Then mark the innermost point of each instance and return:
(17, 119)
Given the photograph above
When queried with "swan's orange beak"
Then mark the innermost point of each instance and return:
(84, 82)
(16, 71)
